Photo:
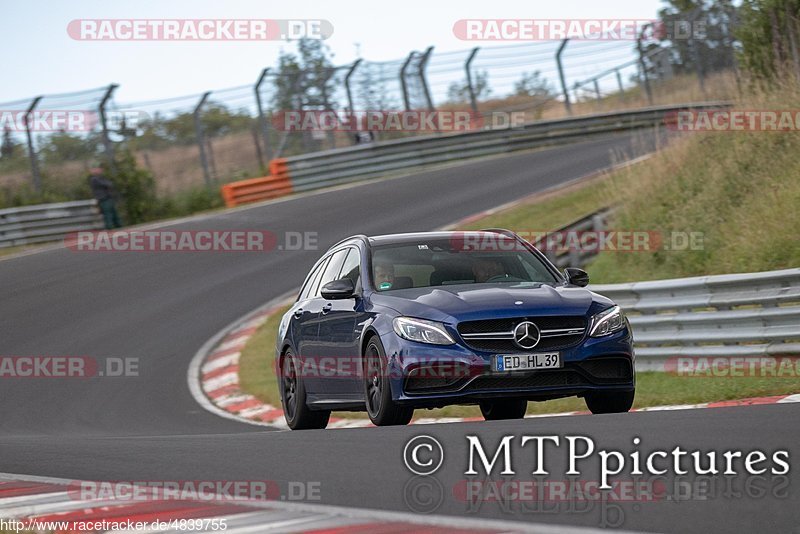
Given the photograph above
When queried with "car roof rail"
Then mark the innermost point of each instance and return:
(351, 238)
(502, 231)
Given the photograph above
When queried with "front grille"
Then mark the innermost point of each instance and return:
(505, 327)
(556, 378)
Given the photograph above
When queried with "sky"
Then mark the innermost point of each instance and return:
(39, 56)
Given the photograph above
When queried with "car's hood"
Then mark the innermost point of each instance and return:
(472, 302)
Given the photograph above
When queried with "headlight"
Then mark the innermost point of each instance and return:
(422, 331)
(607, 322)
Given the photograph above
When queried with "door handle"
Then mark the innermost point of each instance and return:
(298, 313)
(327, 308)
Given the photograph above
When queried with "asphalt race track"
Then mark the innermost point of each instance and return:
(161, 307)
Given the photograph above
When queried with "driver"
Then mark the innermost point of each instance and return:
(384, 274)
(486, 268)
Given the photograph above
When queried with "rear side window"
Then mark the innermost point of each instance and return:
(313, 278)
(332, 270)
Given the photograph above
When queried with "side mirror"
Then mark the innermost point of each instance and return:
(576, 277)
(344, 288)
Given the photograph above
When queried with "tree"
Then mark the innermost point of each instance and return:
(8, 145)
(305, 80)
(770, 36)
(533, 84)
(698, 33)
(458, 92)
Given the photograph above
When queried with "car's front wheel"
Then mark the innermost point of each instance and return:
(293, 398)
(600, 402)
(502, 409)
(382, 410)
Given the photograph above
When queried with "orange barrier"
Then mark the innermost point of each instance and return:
(276, 185)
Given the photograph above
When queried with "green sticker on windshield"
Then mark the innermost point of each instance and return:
(385, 285)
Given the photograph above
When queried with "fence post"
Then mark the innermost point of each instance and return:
(36, 174)
(643, 67)
(262, 120)
(597, 89)
(423, 62)
(621, 87)
(108, 146)
(198, 128)
(561, 76)
(403, 84)
(467, 66)
(347, 76)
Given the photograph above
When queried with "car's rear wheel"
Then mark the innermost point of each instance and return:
(609, 401)
(501, 409)
(293, 398)
(382, 410)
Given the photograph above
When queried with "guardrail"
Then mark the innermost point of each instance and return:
(566, 254)
(361, 162)
(332, 167)
(47, 222)
(755, 314)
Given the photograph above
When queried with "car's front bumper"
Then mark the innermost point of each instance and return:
(432, 376)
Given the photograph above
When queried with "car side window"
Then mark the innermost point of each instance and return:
(332, 270)
(352, 266)
(310, 287)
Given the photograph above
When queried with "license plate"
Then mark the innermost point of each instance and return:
(527, 362)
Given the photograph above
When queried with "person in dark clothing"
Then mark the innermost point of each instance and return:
(103, 191)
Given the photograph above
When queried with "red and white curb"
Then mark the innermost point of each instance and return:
(214, 377)
(36, 501)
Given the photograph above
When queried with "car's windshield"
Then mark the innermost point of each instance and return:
(442, 262)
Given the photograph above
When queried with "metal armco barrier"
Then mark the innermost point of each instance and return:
(47, 222)
(572, 256)
(332, 167)
(756, 314)
(277, 184)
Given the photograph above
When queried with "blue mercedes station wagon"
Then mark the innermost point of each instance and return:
(395, 323)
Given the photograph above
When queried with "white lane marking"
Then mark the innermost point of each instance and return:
(790, 398)
(670, 408)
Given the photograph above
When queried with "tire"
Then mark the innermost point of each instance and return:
(610, 401)
(293, 399)
(504, 409)
(382, 410)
